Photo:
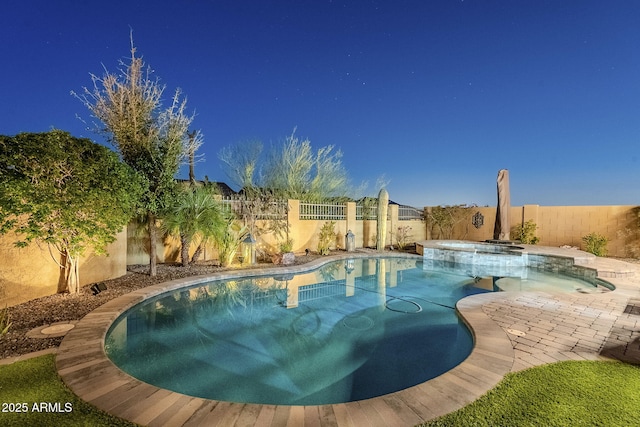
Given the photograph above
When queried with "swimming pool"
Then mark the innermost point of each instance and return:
(349, 330)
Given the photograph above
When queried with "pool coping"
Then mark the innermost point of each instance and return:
(83, 365)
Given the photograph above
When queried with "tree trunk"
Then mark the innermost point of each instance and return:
(197, 253)
(192, 158)
(73, 282)
(153, 237)
(62, 277)
(192, 175)
(185, 242)
(69, 278)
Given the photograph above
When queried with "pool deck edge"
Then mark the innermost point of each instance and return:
(85, 368)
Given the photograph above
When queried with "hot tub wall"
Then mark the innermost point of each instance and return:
(484, 263)
(561, 265)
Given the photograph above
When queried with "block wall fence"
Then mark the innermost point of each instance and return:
(28, 273)
(566, 225)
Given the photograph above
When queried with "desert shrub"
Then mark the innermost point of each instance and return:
(228, 242)
(444, 219)
(525, 233)
(286, 246)
(327, 237)
(403, 234)
(596, 244)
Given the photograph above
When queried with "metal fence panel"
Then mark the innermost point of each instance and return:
(261, 208)
(323, 211)
(406, 213)
(366, 212)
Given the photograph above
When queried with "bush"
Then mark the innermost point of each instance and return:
(403, 236)
(525, 233)
(444, 219)
(229, 242)
(596, 244)
(286, 246)
(327, 237)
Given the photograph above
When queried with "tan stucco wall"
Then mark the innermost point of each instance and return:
(28, 273)
(95, 268)
(304, 233)
(467, 231)
(138, 245)
(25, 273)
(566, 225)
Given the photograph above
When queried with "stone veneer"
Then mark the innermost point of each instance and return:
(479, 259)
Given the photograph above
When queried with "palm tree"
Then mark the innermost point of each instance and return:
(195, 214)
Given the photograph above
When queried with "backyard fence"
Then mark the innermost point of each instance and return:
(258, 208)
(323, 211)
(27, 273)
(338, 212)
(408, 213)
(364, 212)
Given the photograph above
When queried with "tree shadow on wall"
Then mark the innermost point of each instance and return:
(631, 233)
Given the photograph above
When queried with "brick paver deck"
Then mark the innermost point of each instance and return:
(513, 331)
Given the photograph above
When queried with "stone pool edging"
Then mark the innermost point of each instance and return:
(83, 365)
(492, 259)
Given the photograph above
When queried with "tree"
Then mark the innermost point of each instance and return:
(297, 172)
(153, 141)
(291, 170)
(66, 192)
(195, 213)
(195, 141)
(240, 163)
(444, 219)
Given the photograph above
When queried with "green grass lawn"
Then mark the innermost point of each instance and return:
(32, 394)
(561, 394)
(570, 393)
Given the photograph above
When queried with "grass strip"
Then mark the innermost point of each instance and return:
(32, 394)
(575, 393)
(571, 393)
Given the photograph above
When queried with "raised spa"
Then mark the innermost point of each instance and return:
(349, 330)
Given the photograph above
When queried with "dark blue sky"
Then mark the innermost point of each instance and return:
(436, 95)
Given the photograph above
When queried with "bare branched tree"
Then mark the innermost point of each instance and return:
(291, 169)
(296, 171)
(444, 220)
(152, 140)
(194, 142)
(240, 162)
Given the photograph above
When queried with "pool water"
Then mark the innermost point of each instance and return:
(348, 331)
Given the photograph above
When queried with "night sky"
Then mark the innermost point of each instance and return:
(437, 96)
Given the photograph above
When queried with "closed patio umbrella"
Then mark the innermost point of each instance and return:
(502, 228)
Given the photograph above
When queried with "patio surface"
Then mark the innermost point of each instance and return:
(513, 331)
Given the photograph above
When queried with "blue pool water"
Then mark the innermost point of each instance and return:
(348, 331)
